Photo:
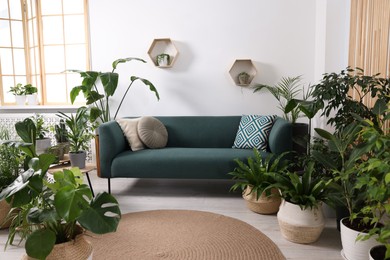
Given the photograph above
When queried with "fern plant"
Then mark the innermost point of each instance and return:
(258, 172)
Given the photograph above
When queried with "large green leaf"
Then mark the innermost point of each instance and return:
(93, 96)
(147, 83)
(103, 215)
(94, 113)
(379, 107)
(118, 61)
(74, 93)
(109, 82)
(40, 243)
(70, 201)
(19, 183)
(39, 216)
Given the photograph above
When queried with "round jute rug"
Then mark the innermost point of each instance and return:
(182, 235)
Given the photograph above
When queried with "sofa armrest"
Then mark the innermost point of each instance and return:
(280, 137)
(111, 142)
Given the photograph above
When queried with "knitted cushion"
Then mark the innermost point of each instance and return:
(129, 128)
(152, 132)
(253, 132)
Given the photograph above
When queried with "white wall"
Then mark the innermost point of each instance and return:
(278, 35)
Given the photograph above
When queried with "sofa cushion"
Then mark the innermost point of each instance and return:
(129, 128)
(253, 132)
(152, 132)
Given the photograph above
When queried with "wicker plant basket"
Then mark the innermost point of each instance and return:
(4, 210)
(264, 205)
(300, 226)
(79, 249)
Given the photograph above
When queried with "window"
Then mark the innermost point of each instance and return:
(39, 39)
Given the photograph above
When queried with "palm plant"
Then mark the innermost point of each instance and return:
(286, 90)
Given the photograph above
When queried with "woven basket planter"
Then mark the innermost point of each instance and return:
(4, 210)
(300, 226)
(264, 205)
(78, 249)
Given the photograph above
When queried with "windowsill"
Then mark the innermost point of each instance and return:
(38, 109)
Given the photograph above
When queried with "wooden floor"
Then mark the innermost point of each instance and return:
(205, 195)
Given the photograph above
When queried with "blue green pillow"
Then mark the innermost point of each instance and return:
(253, 132)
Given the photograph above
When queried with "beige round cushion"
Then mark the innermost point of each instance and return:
(152, 132)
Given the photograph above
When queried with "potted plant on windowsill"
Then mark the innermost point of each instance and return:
(31, 94)
(80, 134)
(19, 92)
(255, 178)
(300, 214)
(53, 215)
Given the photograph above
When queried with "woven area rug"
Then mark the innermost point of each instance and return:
(183, 234)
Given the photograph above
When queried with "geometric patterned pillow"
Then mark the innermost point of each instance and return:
(253, 132)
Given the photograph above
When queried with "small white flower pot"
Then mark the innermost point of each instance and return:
(32, 100)
(20, 100)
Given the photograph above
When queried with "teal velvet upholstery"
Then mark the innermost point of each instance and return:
(199, 147)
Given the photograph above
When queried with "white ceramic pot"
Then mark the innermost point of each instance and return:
(42, 145)
(20, 100)
(32, 100)
(263, 205)
(300, 226)
(352, 249)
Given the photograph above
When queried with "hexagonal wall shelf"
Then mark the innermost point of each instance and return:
(160, 49)
(246, 67)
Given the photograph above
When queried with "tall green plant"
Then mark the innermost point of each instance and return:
(287, 89)
(333, 93)
(100, 101)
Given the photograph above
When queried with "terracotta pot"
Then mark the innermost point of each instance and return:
(263, 205)
(352, 249)
(300, 226)
(4, 210)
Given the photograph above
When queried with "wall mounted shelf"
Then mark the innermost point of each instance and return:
(242, 65)
(163, 46)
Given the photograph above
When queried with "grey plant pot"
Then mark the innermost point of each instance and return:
(42, 145)
(78, 159)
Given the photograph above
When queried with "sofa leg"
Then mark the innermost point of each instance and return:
(109, 185)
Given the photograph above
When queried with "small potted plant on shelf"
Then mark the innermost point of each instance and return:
(52, 216)
(255, 179)
(19, 92)
(300, 214)
(243, 78)
(163, 60)
(61, 136)
(79, 135)
(31, 94)
(43, 143)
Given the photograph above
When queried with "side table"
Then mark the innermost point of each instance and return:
(88, 168)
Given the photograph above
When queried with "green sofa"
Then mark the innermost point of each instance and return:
(199, 147)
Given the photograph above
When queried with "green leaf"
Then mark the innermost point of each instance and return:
(74, 93)
(147, 83)
(45, 160)
(93, 97)
(20, 183)
(70, 201)
(103, 215)
(379, 107)
(110, 82)
(324, 134)
(40, 243)
(94, 114)
(290, 106)
(118, 61)
(387, 178)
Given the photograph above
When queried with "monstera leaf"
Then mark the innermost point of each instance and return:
(102, 216)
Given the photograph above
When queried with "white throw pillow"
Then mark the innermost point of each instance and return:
(129, 128)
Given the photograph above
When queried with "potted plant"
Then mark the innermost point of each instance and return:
(31, 94)
(42, 142)
(11, 160)
(347, 153)
(19, 92)
(80, 134)
(100, 101)
(255, 180)
(243, 78)
(163, 60)
(300, 214)
(61, 136)
(54, 215)
(287, 89)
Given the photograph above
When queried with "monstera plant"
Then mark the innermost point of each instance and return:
(51, 212)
